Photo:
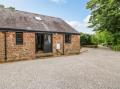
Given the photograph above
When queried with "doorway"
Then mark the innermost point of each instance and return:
(43, 42)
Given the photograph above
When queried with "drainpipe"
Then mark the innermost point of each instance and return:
(63, 44)
(5, 45)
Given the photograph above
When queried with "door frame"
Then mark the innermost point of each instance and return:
(36, 34)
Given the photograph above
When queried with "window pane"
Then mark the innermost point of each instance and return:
(67, 38)
(19, 38)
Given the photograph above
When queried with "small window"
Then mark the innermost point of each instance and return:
(19, 38)
(67, 38)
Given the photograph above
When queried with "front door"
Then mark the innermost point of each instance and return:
(39, 42)
(47, 43)
(43, 42)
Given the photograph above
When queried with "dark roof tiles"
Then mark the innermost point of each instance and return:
(32, 22)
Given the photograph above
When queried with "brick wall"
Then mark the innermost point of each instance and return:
(27, 50)
(74, 46)
(57, 39)
(69, 48)
(20, 52)
(2, 48)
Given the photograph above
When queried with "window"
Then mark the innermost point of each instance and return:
(19, 38)
(67, 38)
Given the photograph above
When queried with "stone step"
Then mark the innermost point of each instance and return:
(38, 55)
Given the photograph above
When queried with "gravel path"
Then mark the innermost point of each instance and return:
(92, 69)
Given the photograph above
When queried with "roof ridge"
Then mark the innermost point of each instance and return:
(38, 14)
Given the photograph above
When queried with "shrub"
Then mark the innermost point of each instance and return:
(116, 47)
(85, 39)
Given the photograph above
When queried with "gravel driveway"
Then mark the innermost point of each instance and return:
(92, 69)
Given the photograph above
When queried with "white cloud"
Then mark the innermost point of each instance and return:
(86, 20)
(81, 26)
(13, 3)
(58, 1)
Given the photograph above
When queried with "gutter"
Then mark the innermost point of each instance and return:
(23, 30)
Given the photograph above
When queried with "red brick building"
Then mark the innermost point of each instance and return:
(25, 35)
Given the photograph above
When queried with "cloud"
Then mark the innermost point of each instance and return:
(12, 3)
(59, 1)
(86, 20)
(81, 26)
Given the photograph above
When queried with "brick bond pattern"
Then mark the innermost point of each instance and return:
(69, 48)
(27, 50)
(2, 48)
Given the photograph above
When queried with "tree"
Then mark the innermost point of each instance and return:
(11, 8)
(94, 39)
(104, 38)
(105, 15)
(2, 6)
(85, 39)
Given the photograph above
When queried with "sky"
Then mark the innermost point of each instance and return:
(74, 12)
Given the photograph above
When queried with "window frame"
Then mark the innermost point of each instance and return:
(19, 38)
(68, 38)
